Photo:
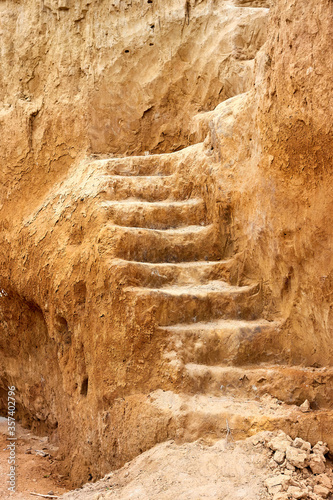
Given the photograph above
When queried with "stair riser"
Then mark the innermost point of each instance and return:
(155, 217)
(171, 310)
(196, 425)
(139, 166)
(290, 386)
(157, 189)
(158, 275)
(241, 347)
(159, 247)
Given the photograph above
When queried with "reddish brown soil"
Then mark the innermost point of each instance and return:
(34, 473)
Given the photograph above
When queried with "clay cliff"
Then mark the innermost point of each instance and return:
(165, 205)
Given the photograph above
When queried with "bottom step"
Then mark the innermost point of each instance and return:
(202, 416)
(291, 384)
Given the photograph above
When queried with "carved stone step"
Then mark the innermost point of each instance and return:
(157, 215)
(291, 384)
(184, 244)
(156, 275)
(234, 342)
(191, 417)
(138, 165)
(149, 188)
(175, 304)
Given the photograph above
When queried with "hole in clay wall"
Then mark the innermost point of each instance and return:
(80, 293)
(84, 386)
(62, 328)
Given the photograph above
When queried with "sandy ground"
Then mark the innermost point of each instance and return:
(191, 471)
(34, 473)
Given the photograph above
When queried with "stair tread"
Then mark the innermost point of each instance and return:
(149, 165)
(216, 405)
(220, 324)
(262, 368)
(139, 177)
(169, 231)
(195, 416)
(165, 203)
(202, 402)
(151, 156)
(198, 290)
(170, 265)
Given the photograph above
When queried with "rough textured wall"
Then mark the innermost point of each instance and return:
(119, 77)
(296, 126)
(79, 81)
(128, 77)
(283, 178)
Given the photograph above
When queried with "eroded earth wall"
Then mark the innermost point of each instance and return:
(85, 87)
(284, 178)
(118, 77)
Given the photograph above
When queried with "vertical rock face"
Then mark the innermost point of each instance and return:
(122, 275)
(295, 123)
(286, 175)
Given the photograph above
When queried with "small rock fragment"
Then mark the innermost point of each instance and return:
(280, 496)
(277, 484)
(325, 480)
(300, 443)
(321, 491)
(295, 492)
(306, 473)
(305, 407)
(290, 467)
(279, 443)
(306, 446)
(317, 463)
(295, 483)
(296, 457)
(313, 496)
(320, 447)
(297, 443)
(279, 457)
(41, 453)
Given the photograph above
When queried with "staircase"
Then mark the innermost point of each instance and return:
(222, 358)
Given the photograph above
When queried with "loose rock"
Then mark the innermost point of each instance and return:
(321, 491)
(317, 463)
(305, 407)
(303, 445)
(277, 484)
(296, 457)
(279, 457)
(325, 480)
(295, 492)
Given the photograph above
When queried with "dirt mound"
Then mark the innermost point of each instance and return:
(253, 469)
